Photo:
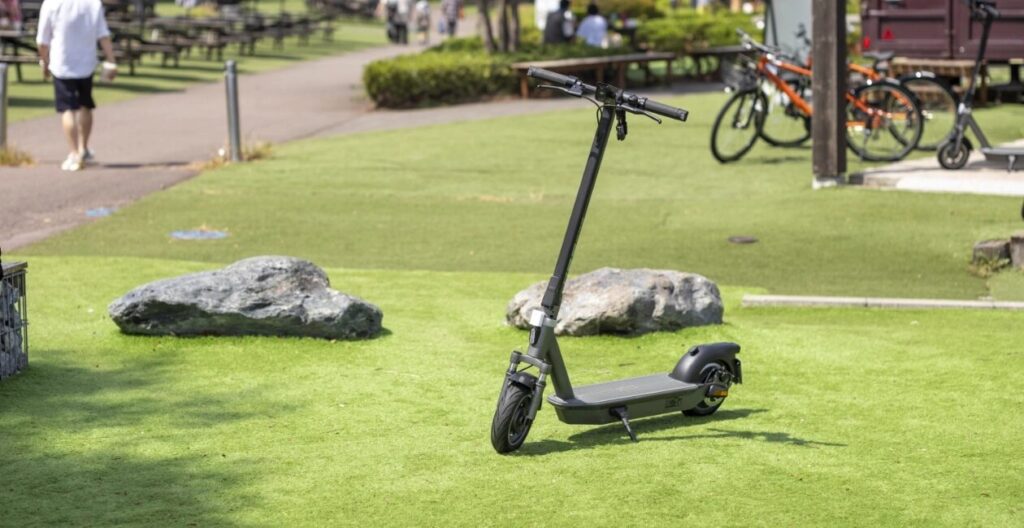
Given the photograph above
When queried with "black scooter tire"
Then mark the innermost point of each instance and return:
(509, 426)
(706, 407)
(952, 159)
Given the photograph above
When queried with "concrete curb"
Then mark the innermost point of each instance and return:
(750, 301)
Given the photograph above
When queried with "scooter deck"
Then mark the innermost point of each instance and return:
(644, 396)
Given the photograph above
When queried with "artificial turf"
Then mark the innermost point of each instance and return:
(846, 416)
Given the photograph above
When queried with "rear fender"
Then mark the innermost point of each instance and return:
(689, 366)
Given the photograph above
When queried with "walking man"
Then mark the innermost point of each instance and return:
(67, 37)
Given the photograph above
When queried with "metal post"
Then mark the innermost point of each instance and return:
(3, 106)
(234, 130)
(828, 128)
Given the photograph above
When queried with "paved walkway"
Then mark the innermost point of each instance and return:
(925, 175)
(150, 143)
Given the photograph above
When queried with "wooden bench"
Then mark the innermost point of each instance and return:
(707, 62)
(597, 65)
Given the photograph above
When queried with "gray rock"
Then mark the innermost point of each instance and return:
(991, 251)
(279, 296)
(635, 301)
(1017, 250)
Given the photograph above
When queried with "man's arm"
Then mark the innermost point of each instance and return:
(44, 59)
(108, 55)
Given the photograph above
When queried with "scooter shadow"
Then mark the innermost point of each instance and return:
(614, 433)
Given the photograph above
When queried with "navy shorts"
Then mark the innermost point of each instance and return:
(73, 94)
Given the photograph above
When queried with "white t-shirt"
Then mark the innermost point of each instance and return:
(593, 30)
(71, 29)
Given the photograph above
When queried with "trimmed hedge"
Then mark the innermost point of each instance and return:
(435, 78)
(460, 70)
(457, 71)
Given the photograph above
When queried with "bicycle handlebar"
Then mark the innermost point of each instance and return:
(750, 43)
(570, 83)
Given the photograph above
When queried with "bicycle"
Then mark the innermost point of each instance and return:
(883, 119)
(935, 97)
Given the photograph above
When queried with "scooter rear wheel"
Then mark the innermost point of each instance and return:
(953, 158)
(710, 404)
(510, 425)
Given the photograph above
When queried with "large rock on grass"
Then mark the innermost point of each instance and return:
(271, 296)
(616, 301)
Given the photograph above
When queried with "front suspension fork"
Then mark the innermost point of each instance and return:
(536, 385)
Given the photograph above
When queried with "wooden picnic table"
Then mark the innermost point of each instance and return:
(597, 65)
(13, 40)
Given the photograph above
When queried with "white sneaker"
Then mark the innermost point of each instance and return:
(71, 164)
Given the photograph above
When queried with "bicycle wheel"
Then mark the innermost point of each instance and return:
(883, 122)
(938, 105)
(737, 125)
(784, 124)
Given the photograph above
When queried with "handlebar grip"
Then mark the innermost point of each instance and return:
(665, 110)
(554, 78)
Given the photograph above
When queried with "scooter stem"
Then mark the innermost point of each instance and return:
(553, 295)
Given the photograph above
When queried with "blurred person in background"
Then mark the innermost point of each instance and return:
(560, 25)
(593, 29)
(67, 35)
(451, 12)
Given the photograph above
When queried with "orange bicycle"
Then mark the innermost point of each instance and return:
(934, 95)
(883, 118)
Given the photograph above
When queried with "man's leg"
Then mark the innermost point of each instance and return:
(70, 123)
(84, 129)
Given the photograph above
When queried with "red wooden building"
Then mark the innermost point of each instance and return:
(940, 29)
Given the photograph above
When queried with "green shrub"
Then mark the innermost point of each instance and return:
(436, 78)
(459, 70)
(687, 30)
(642, 9)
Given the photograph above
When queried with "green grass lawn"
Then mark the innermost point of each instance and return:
(847, 417)
(495, 195)
(33, 97)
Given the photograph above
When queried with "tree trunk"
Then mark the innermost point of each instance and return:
(515, 29)
(503, 31)
(484, 6)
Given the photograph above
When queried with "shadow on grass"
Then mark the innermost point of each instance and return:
(616, 434)
(79, 447)
(30, 102)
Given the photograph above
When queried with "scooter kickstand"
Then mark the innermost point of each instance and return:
(622, 414)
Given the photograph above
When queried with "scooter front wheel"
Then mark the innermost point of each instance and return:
(953, 158)
(511, 425)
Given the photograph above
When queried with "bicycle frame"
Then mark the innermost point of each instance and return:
(764, 69)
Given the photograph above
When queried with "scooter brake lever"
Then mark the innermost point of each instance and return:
(575, 91)
(637, 111)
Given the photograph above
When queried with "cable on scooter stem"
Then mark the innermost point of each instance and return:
(575, 87)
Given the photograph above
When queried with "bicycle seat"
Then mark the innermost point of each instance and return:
(880, 55)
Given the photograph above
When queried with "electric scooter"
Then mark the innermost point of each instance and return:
(954, 153)
(697, 385)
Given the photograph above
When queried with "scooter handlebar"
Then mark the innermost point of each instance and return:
(665, 110)
(641, 103)
(557, 79)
